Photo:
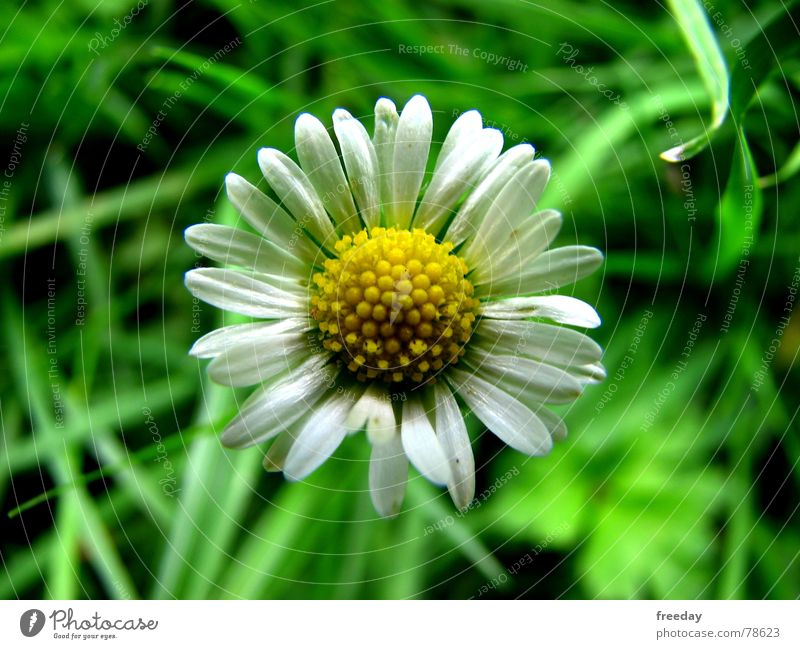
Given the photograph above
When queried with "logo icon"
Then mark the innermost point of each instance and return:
(31, 622)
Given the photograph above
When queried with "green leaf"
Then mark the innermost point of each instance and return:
(555, 521)
(222, 76)
(786, 171)
(771, 47)
(703, 44)
(136, 200)
(270, 544)
(86, 524)
(593, 150)
(230, 481)
(460, 534)
(739, 211)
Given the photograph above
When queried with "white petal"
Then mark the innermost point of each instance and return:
(522, 249)
(412, 144)
(235, 247)
(508, 214)
(549, 343)
(274, 407)
(455, 177)
(551, 270)
(276, 455)
(587, 374)
(220, 340)
(271, 221)
(559, 308)
(475, 208)
(244, 294)
(375, 411)
(554, 423)
(319, 437)
(361, 163)
(254, 362)
(386, 119)
(320, 162)
(507, 417)
(388, 474)
(524, 376)
(454, 439)
(488, 165)
(466, 128)
(421, 444)
(296, 192)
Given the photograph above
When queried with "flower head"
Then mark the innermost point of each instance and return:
(379, 310)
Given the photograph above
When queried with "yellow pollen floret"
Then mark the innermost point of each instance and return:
(394, 304)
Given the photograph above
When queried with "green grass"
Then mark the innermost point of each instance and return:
(681, 474)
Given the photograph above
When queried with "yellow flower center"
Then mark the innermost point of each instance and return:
(395, 304)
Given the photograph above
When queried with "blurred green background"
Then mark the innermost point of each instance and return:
(681, 474)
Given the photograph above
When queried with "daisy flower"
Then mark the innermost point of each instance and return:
(387, 304)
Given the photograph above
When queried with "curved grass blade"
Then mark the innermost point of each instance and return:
(785, 172)
(767, 51)
(774, 44)
(702, 42)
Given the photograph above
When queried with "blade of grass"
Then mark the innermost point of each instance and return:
(738, 528)
(738, 213)
(226, 77)
(22, 569)
(268, 545)
(462, 538)
(785, 172)
(102, 552)
(594, 147)
(184, 530)
(106, 412)
(408, 556)
(700, 38)
(63, 580)
(776, 42)
(358, 531)
(134, 200)
(779, 563)
(64, 188)
(10, 425)
(234, 482)
(197, 530)
(28, 366)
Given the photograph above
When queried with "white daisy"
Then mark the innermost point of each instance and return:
(384, 308)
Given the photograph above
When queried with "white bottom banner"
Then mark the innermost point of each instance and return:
(405, 624)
